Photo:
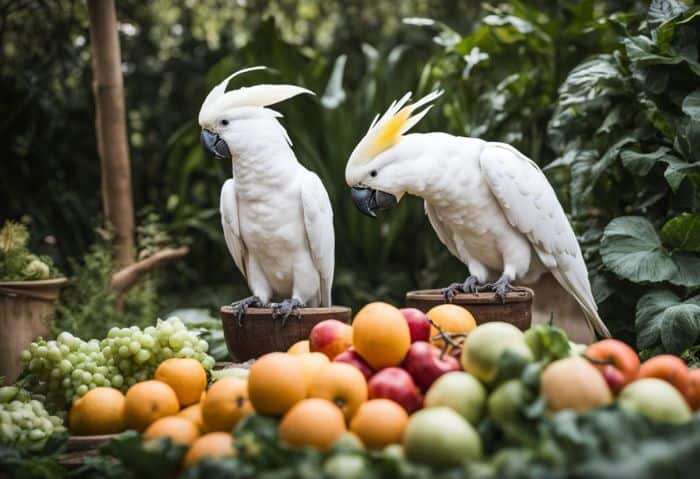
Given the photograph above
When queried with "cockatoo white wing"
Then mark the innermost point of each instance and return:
(228, 206)
(318, 219)
(531, 206)
(442, 231)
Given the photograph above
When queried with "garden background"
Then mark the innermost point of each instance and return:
(604, 95)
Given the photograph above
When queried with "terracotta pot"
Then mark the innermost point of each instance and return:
(26, 310)
(260, 334)
(485, 306)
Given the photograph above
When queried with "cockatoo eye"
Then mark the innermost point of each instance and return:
(373, 173)
(224, 122)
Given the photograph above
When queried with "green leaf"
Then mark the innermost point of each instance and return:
(631, 249)
(682, 232)
(642, 163)
(678, 170)
(691, 105)
(145, 458)
(661, 11)
(663, 318)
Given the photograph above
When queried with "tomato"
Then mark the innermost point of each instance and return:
(670, 368)
(623, 362)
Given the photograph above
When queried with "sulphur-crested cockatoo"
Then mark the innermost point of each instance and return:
(276, 215)
(488, 203)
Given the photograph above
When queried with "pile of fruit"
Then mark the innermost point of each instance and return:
(24, 422)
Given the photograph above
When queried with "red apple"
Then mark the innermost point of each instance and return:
(397, 385)
(618, 363)
(353, 358)
(330, 337)
(424, 364)
(418, 324)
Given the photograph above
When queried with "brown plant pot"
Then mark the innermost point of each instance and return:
(485, 307)
(26, 310)
(260, 334)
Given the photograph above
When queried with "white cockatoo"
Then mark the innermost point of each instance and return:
(276, 214)
(488, 203)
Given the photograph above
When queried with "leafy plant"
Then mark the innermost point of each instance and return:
(627, 130)
(16, 262)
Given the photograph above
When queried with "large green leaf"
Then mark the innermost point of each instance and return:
(663, 319)
(661, 11)
(682, 232)
(691, 105)
(632, 249)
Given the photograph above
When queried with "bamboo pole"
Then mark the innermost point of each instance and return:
(110, 123)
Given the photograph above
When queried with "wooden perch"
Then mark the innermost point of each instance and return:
(127, 277)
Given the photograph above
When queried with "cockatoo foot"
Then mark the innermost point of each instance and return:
(240, 307)
(285, 309)
(470, 285)
(501, 287)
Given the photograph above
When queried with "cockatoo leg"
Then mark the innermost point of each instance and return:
(285, 309)
(470, 285)
(240, 307)
(501, 287)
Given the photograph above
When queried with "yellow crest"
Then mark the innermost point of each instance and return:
(387, 130)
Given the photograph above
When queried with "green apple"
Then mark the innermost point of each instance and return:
(345, 466)
(504, 404)
(657, 400)
(484, 346)
(439, 436)
(459, 391)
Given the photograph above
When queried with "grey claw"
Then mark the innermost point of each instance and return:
(285, 309)
(240, 307)
(451, 291)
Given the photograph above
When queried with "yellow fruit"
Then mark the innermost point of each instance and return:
(312, 422)
(100, 411)
(341, 384)
(311, 363)
(147, 401)
(276, 383)
(379, 422)
(178, 429)
(226, 403)
(300, 347)
(186, 376)
(380, 335)
(194, 413)
(451, 319)
(214, 444)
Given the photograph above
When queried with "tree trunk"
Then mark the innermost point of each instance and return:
(108, 88)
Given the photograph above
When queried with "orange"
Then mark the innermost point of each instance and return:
(178, 429)
(226, 403)
(299, 347)
(147, 401)
(194, 413)
(379, 422)
(380, 335)
(312, 422)
(186, 376)
(311, 363)
(214, 444)
(276, 383)
(341, 384)
(100, 411)
(452, 319)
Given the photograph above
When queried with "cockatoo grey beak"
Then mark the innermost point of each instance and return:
(368, 200)
(215, 145)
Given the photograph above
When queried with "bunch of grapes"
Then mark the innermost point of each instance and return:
(24, 422)
(67, 368)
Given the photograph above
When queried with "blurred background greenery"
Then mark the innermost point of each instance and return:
(501, 63)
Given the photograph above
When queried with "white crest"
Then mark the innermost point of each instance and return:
(219, 100)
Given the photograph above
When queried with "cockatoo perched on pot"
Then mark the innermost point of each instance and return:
(276, 215)
(488, 203)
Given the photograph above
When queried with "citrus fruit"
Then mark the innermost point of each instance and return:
(276, 382)
(186, 376)
(214, 444)
(299, 347)
(380, 335)
(100, 411)
(341, 384)
(194, 413)
(451, 319)
(379, 422)
(226, 403)
(178, 429)
(312, 422)
(311, 363)
(147, 401)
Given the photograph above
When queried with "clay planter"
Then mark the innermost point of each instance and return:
(485, 307)
(26, 309)
(260, 334)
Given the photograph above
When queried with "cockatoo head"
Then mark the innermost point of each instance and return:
(373, 172)
(230, 118)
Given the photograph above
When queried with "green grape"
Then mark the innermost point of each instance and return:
(98, 379)
(142, 356)
(65, 366)
(81, 390)
(124, 351)
(25, 356)
(117, 380)
(134, 347)
(41, 351)
(186, 352)
(202, 345)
